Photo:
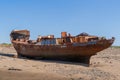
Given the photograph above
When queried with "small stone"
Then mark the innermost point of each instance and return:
(110, 62)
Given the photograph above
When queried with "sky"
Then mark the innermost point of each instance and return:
(44, 17)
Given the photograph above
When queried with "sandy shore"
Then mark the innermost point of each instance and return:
(104, 66)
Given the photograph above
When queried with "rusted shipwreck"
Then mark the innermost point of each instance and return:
(77, 48)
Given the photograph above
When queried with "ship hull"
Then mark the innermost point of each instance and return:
(79, 52)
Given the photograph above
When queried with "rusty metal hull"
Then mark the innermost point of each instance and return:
(80, 47)
(80, 52)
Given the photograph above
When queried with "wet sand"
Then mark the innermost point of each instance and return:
(103, 66)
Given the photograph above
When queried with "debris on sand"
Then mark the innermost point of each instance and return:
(15, 69)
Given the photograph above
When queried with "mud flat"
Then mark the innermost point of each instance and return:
(103, 66)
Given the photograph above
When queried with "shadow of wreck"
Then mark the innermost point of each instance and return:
(44, 59)
(7, 54)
